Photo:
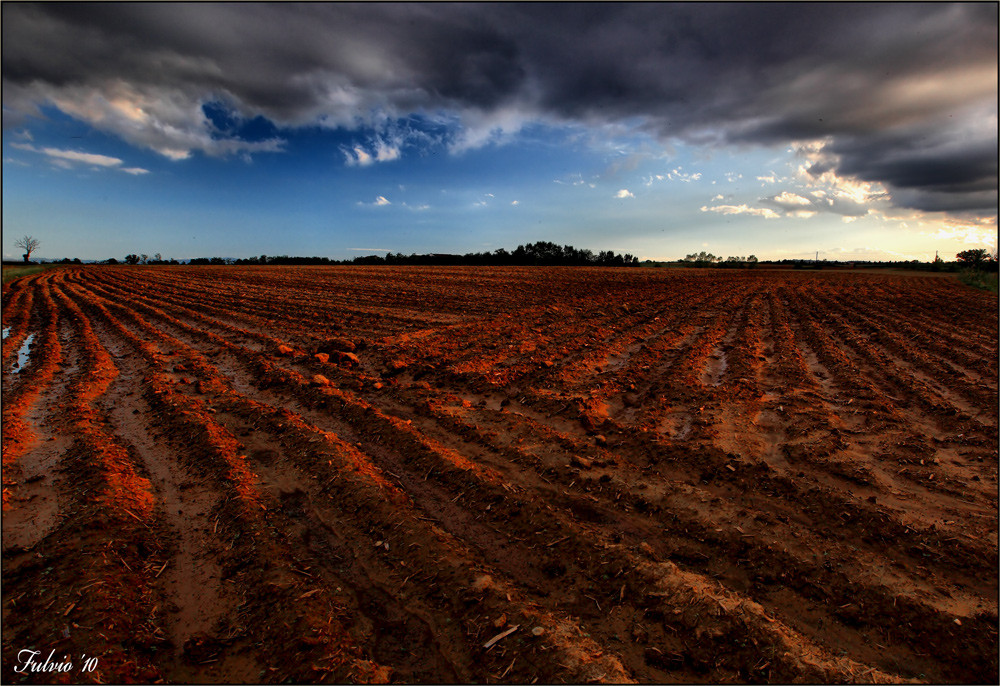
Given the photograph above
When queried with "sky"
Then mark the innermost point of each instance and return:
(860, 131)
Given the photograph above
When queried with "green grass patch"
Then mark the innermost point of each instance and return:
(11, 273)
(986, 281)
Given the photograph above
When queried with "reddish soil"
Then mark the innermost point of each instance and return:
(515, 475)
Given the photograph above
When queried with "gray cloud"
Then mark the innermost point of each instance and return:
(906, 93)
(927, 169)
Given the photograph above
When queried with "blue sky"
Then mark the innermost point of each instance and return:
(390, 146)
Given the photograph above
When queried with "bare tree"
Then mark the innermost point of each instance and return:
(28, 244)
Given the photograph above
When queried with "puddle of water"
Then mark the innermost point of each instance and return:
(23, 354)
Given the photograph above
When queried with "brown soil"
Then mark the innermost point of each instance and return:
(499, 475)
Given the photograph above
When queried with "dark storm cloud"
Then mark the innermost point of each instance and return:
(906, 94)
(927, 170)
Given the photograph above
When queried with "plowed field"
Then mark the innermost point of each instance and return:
(515, 475)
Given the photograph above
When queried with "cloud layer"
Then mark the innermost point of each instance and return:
(903, 94)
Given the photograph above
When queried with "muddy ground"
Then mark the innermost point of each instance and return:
(498, 475)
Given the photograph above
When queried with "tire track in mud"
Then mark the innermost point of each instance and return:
(90, 575)
(407, 514)
(18, 302)
(30, 450)
(24, 386)
(32, 488)
(194, 597)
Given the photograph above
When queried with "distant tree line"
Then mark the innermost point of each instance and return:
(551, 254)
(540, 253)
(703, 259)
(141, 259)
(978, 259)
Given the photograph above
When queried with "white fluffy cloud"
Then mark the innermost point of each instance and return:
(624, 193)
(66, 159)
(380, 201)
(83, 157)
(357, 156)
(380, 150)
(678, 175)
(765, 212)
(787, 198)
